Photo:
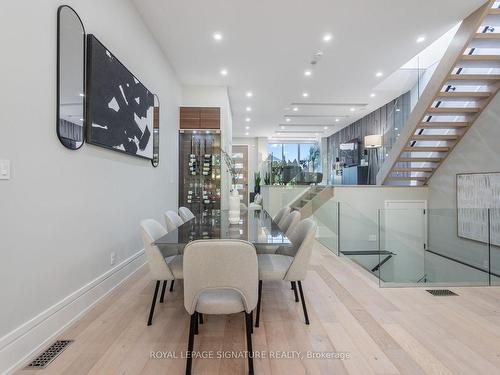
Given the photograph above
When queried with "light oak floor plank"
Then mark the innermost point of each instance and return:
(376, 330)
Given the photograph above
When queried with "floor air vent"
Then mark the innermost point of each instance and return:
(44, 359)
(441, 292)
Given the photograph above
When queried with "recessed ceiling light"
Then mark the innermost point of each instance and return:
(81, 119)
(305, 94)
(398, 110)
(287, 119)
(372, 95)
(223, 72)
(352, 109)
(327, 37)
(282, 127)
(217, 36)
(247, 133)
(307, 73)
(325, 127)
(337, 120)
(295, 109)
(247, 119)
(248, 109)
(247, 127)
(81, 94)
(379, 74)
(249, 94)
(421, 39)
(316, 134)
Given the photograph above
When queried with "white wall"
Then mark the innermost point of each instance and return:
(215, 96)
(63, 212)
(478, 151)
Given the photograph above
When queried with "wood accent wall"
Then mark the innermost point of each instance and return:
(385, 120)
(199, 118)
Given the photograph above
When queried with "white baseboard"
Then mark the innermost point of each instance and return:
(19, 345)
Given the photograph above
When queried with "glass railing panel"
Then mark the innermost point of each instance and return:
(325, 213)
(494, 233)
(402, 246)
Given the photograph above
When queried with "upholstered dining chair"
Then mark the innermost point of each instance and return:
(281, 213)
(276, 267)
(172, 220)
(289, 221)
(212, 286)
(162, 269)
(186, 214)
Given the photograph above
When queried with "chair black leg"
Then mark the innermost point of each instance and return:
(163, 291)
(303, 302)
(251, 321)
(151, 312)
(200, 318)
(291, 285)
(257, 319)
(189, 354)
(196, 324)
(249, 324)
(294, 287)
(172, 285)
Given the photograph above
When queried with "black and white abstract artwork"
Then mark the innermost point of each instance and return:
(478, 205)
(119, 107)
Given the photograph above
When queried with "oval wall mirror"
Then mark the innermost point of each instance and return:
(156, 132)
(70, 78)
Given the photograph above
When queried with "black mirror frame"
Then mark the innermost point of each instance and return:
(58, 78)
(156, 132)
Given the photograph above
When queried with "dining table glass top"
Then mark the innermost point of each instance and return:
(255, 226)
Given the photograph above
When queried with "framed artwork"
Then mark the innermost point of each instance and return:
(476, 193)
(120, 109)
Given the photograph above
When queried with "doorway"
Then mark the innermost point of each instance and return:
(240, 157)
(404, 234)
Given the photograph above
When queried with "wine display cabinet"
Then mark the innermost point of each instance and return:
(199, 170)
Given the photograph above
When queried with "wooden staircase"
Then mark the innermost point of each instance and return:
(463, 84)
(304, 203)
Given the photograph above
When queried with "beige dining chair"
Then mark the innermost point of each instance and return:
(276, 267)
(161, 269)
(172, 220)
(186, 214)
(220, 278)
(281, 213)
(289, 221)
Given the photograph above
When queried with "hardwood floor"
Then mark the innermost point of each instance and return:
(383, 331)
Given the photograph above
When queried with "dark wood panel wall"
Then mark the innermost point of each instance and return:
(199, 118)
(388, 120)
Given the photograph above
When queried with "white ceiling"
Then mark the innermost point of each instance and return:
(267, 46)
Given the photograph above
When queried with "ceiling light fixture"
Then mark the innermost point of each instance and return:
(337, 120)
(352, 109)
(282, 127)
(379, 74)
(248, 109)
(249, 94)
(305, 94)
(247, 127)
(295, 109)
(287, 119)
(421, 39)
(217, 36)
(223, 72)
(325, 127)
(327, 37)
(307, 73)
(372, 95)
(247, 119)
(247, 133)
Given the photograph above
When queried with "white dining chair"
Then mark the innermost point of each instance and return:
(275, 267)
(289, 221)
(281, 213)
(212, 286)
(186, 214)
(162, 269)
(172, 220)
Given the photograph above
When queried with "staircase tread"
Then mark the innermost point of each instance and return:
(443, 125)
(481, 57)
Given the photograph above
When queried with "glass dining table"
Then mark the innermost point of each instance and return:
(255, 226)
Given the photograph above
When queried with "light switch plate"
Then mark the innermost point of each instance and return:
(4, 169)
